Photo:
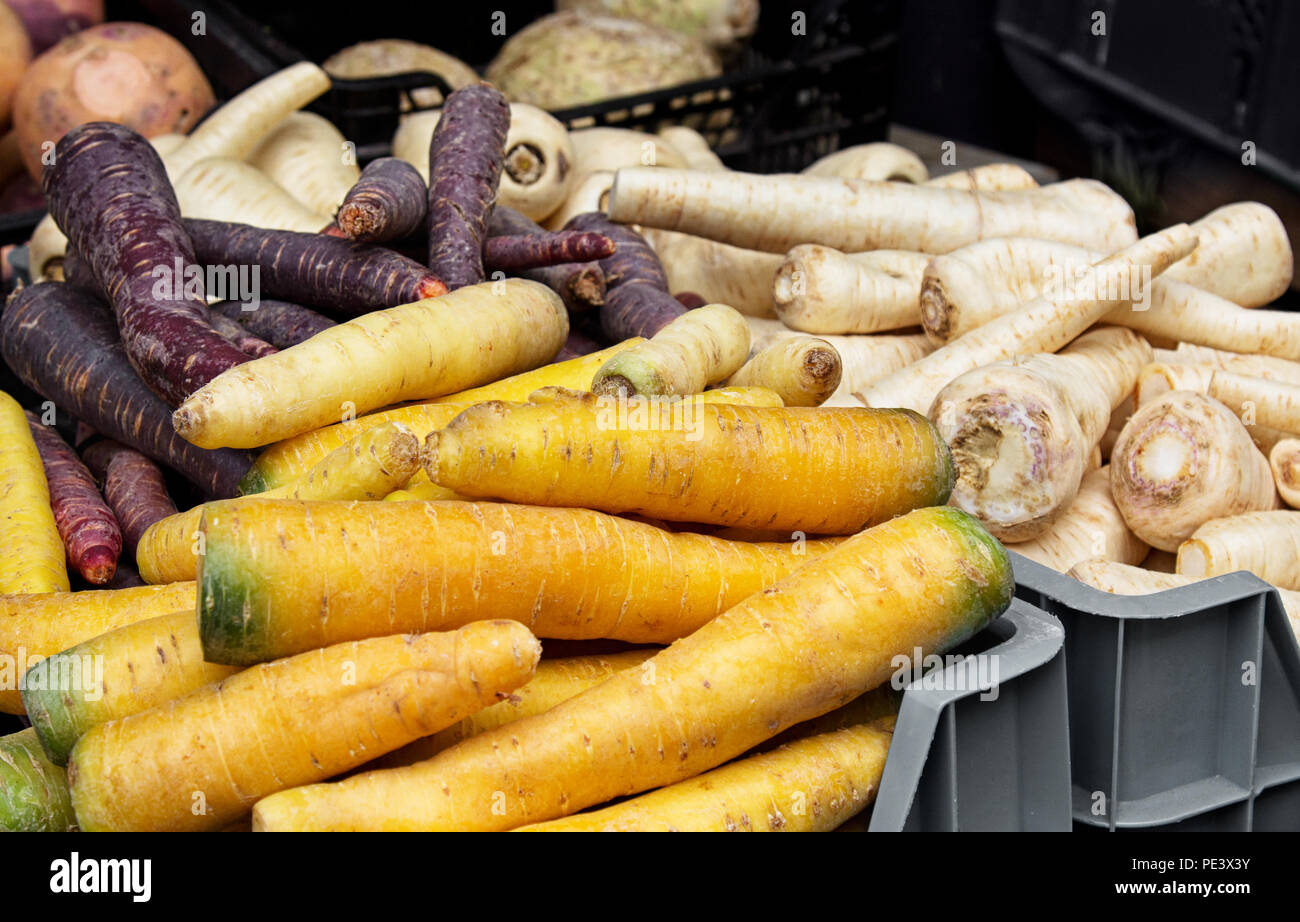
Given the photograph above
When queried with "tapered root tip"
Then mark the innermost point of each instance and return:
(98, 565)
(613, 386)
(185, 421)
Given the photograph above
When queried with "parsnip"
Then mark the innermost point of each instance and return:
(821, 290)
(310, 159)
(717, 272)
(600, 149)
(1284, 459)
(1274, 404)
(220, 189)
(1258, 366)
(586, 193)
(992, 177)
(1090, 527)
(1183, 459)
(1158, 379)
(1023, 432)
(692, 146)
(804, 370)
(46, 247)
(702, 347)
(1266, 543)
(1244, 256)
(878, 161)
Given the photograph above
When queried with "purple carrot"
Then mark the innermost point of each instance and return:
(535, 251)
(326, 272)
(76, 271)
(63, 344)
(86, 524)
(690, 300)
(109, 193)
(389, 201)
(133, 486)
(637, 302)
(241, 339)
(580, 285)
(465, 159)
(277, 322)
(576, 346)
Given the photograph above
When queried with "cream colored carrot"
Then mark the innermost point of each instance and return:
(1284, 459)
(820, 290)
(1090, 527)
(1044, 324)
(717, 272)
(776, 213)
(1023, 432)
(877, 161)
(310, 159)
(804, 370)
(703, 346)
(1183, 459)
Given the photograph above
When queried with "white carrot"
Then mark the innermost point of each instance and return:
(1091, 526)
(804, 370)
(220, 189)
(777, 213)
(1183, 459)
(1266, 543)
(693, 147)
(992, 177)
(821, 290)
(878, 161)
(235, 129)
(1044, 324)
(1244, 256)
(310, 159)
(1284, 459)
(703, 346)
(1024, 432)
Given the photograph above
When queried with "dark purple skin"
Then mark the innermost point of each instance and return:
(277, 322)
(576, 346)
(326, 272)
(63, 344)
(109, 193)
(637, 301)
(465, 158)
(690, 300)
(242, 339)
(46, 24)
(580, 285)
(76, 271)
(133, 487)
(389, 201)
(534, 251)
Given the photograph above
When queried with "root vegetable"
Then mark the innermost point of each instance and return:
(637, 299)
(108, 192)
(1266, 543)
(820, 290)
(730, 466)
(282, 576)
(717, 272)
(143, 665)
(514, 252)
(227, 744)
(33, 790)
(1183, 459)
(1023, 432)
(133, 487)
(805, 371)
(876, 161)
(240, 338)
(15, 56)
(279, 323)
(702, 347)
(588, 193)
(604, 149)
(693, 147)
(34, 555)
(64, 345)
(47, 246)
(928, 579)
(1091, 526)
(235, 129)
(1120, 579)
(387, 57)
(222, 189)
(991, 177)
(389, 202)
(49, 21)
(86, 524)
(417, 351)
(465, 160)
(1183, 313)
(856, 215)
(720, 24)
(581, 285)
(1284, 459)
(1257, 366)
(578, 344)
(1244, 255)
(33, 627)
(310, 159)
(1044, 324)
(1158, 379)
(1274, 404)
(809, 785)
(539, 163)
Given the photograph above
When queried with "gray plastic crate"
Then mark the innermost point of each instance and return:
(1184, 704)
(959, 762)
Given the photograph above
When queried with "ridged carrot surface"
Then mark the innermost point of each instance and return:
(802, 647)
(32, 557)
(33, 790)
(282, 576)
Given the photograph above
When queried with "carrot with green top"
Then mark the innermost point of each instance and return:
(369, 467)
(804, 646)
(34, 557)
(200, 762)
(683, 461)
(33, 790)
(283, 576)
(121, 672)
(701, 347)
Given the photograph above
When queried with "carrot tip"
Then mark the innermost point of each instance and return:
(432, 288)
(98, 565)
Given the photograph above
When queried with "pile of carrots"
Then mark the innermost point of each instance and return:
(744, 438)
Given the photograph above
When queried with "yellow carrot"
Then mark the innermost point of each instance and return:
(200, 761)
(33, 790)
(806, 645)
(804, 370)
(701, 347)
(424, 491)
(32, 557)
(281, 576)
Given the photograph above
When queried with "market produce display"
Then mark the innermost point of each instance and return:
(542, 477)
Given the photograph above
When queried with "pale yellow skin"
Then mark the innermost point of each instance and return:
(1091, 526)
(431, 348)
(1265, 543)
(778, 212)
(1183, 459)
(1284, 459)
(877, 161)
(223, 189)
(235, 129)
(199, 762)
(1244, 256)
(804, 370)
(1044, 324)
(821, 290)
(1159, 378)
(1258, 366)
(702, 347)
(310, 159)
(810, 785)
(991, 177)
(33, 557)
(371, 465)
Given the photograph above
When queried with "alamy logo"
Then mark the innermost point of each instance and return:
(954, 672)
(103, 875)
